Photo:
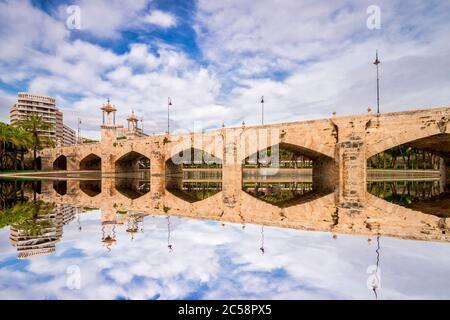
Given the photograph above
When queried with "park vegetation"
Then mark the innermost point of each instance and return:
(22, 139)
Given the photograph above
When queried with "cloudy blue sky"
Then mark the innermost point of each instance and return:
(216, 58)
(214, 262)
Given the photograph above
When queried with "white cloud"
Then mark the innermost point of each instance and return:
(323, 53)
(161, 19)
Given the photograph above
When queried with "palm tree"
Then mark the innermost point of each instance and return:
(22, 141)
(35, 124)
(6, 145)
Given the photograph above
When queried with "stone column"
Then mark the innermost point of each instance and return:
(231, 174)
(46, 163)
(445, 174)
(108, 163)
(72, 187)
(72, 163)
(157, 189)
(157, 163)
(352, 162)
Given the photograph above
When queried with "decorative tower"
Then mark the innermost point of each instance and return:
(133, 128)
(109, 128)
(132, 122)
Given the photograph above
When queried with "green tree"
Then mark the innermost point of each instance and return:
(13, 141)
(35, 125)
(23, 141)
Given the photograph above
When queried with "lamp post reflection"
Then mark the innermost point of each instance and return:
(262, 240)
(169, 245)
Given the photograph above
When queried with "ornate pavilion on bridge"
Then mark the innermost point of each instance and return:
(111, 130)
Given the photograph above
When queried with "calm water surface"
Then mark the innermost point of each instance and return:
(57, 250)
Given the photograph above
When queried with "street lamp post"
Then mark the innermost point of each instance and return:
(376, 63)
(262, 110)
(79, 131)
(169, 103)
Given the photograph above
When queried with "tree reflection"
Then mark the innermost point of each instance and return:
(404, 192)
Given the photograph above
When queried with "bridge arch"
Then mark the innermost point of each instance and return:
(91, 162)
(60, 163)
(322, 166)
(132, 162)
(432, 140)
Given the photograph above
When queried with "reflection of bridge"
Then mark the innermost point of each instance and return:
(320, 213)
(339, 148)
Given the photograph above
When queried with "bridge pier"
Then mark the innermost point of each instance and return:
(108, 163)
(351, 157)
(157, 163)
(46, 163)
(445, 174)
(231, 177)
(73, 163)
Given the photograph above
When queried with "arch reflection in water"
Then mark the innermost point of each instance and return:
(60, 186)
(91, 187)
(195, 185)
(194, 175)
(133, 188)
(426, 196)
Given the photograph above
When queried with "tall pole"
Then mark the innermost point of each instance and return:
(262, 110)
(79, 130)
(169, 103)
(376, 63)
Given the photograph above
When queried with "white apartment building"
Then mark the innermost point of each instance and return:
(45, 106)
(69, 136)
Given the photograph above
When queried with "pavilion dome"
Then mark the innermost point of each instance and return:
(132, 117)
(108, 107)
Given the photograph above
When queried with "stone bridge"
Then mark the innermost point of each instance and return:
(338, 146)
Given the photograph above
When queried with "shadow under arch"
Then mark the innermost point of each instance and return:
(60, 163)
(91, 162)
(132, 162)
(194, 175)
(435, 142)
(286, 175)
(91, 187)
